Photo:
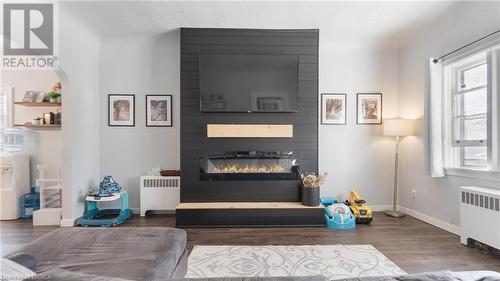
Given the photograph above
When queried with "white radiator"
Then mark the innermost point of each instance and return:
(159, 193)
(480, 215)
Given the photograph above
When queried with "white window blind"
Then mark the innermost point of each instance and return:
(6, 107)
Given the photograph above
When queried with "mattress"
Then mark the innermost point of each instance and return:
(135, 253)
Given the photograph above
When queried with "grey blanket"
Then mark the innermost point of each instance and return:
(136, 253)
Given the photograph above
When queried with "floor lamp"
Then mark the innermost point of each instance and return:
(397, 128)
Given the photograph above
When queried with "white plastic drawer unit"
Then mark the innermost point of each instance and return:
(159, 193)
(480, 215)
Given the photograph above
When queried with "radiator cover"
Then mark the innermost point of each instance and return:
(159, 193)
(480, 215)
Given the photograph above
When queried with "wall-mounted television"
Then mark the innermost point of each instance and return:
(248, 83)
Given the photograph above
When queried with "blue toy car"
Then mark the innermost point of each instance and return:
(338, 215)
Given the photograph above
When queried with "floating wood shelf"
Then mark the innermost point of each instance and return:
(245, 214)
(39, 104)
(246, 205)
(31, 126)
(249, 131)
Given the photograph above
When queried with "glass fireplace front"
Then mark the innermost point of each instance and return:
(248, 165)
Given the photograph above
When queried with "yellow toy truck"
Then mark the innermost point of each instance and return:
(359, 208)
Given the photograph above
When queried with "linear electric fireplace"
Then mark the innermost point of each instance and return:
(248, 165)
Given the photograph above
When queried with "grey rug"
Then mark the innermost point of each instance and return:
(332, 261)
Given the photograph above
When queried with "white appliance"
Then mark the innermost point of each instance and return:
(15, 181)
(480, 215)
(159, 193)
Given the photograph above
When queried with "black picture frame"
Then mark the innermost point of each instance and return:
(132, 106)
(323, 122)
(170, 123)
(358, 96)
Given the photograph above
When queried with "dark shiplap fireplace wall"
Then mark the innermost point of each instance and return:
(194, 141)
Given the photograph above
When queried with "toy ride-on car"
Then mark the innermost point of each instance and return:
(359, 208)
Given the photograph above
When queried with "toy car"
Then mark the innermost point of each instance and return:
(359, 208)
(337, 215)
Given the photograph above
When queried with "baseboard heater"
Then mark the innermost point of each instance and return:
(480, 215)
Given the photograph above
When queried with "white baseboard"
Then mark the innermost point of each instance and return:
(380, 208)
(67, 222)
(430, 220)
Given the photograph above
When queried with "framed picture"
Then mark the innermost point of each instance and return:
(369, 107)
(32, 96)
(333, 109)
(121, 110)
(158, 110)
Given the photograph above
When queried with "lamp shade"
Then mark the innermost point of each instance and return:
(398, 127)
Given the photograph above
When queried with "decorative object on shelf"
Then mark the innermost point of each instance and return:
(49, 118)
(30, 202)
(369, 108)
(170, 173)
(37, 121)
(32, 96)
(55, 94)
(397, 128)
(333, 109)
(158, 110)
(121, 110)
(310, 184)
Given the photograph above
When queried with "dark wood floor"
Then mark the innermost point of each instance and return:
(413, 245)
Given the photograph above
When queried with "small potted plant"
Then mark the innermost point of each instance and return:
(55, 94)
(310, 188)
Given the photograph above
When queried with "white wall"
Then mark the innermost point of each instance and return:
(139, 65)
(44, 146)
(79, 63)
(358, 156)
(355, 156)
(461, 23)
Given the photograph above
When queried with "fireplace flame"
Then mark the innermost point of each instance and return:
(235, 168)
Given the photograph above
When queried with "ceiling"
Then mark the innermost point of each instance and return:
(373, 20)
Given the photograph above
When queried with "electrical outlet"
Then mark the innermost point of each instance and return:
(413, 194)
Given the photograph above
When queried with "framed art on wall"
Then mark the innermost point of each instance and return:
(121, 110)
(369, 108)
(158, 110)
(333, 109)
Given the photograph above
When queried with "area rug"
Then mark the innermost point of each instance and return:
(333, 261)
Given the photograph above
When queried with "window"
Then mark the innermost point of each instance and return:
(468, 113)
(5, 107)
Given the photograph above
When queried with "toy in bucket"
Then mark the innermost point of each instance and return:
(337, 215)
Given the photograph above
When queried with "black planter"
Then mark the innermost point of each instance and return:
(310, 196)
